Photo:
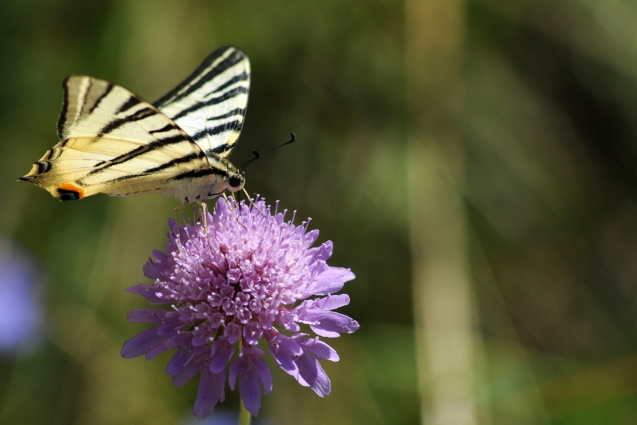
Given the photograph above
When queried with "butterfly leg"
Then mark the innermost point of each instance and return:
(233, 207)
(204, 214)
(252, 201)
(179, 208)
(247, 195)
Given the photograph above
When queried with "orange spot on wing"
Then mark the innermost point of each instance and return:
(72, 188)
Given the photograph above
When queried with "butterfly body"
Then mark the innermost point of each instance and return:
(114, 142)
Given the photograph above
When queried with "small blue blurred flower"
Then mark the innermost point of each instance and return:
(20, 303)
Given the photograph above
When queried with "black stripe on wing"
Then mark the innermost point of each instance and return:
(97, 102)
(164, 129)
(193, 174)
(130, 102)
(140, 150)
(236, 111)
(184, 159)
(236, 79)
(215, 100)
(65, 106)
(87, 92)
(204, 73)
(118, 122)
(213, 131)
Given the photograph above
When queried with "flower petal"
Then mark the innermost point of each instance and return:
(146, 315)
(185, 364)
(250, 391)
(141, 343)
(312, 372)
(331, 302)
(327, 323)
(209, 393)
(250, 385)
(253, 372)
(285, 362)
(325, 251)
(311, 237)
(318, 348)
(149, 292)
(285, 352)
(179, 360)
(172, 342)
(187, 373)
(222, 351)
(265, 375)
(153, 269)
(332, 324)
(331, 280)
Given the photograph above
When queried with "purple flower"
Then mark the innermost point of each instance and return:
(245, 276)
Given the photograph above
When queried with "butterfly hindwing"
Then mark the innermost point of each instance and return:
(210, 104)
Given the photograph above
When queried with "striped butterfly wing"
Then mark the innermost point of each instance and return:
(210, 104)
(113, 142)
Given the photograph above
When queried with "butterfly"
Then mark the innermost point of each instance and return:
(114, 142)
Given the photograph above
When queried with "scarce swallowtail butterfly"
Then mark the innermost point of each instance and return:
(114, 142)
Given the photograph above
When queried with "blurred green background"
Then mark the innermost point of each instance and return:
(473, 163)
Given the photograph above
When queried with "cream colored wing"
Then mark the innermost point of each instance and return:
(116, 143)
(210, 105)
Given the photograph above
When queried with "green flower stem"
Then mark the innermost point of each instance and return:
(244, 415)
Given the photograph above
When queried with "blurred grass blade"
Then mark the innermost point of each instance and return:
(442, 287)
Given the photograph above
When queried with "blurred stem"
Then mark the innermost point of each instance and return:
(244, 415)
(443, 301)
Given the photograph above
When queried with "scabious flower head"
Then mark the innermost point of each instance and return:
(241, 276)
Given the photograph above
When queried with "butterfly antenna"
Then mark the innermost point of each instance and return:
(257, 155)
(250, 161)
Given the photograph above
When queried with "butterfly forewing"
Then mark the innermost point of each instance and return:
(210, 105)
(114, 142)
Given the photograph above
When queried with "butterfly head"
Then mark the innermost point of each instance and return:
(236, 180)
